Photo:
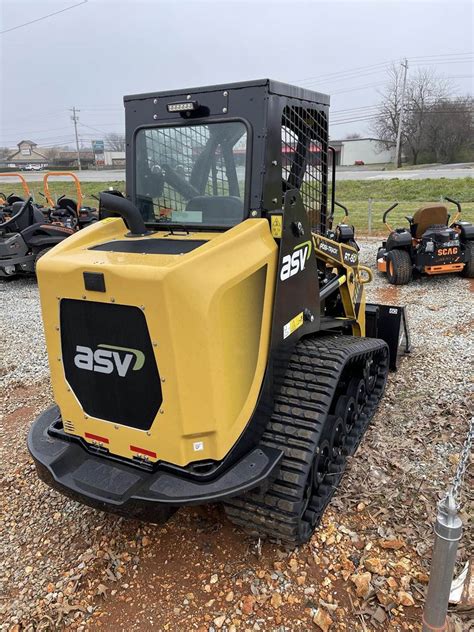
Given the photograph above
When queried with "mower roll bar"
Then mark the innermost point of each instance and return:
(344, 208)
(458, 206)
(384, 218)
(47, 193)
(114, 203)
(388, 211)
(24, 184)
(331, 216)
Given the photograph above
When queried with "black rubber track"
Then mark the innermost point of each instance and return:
(320, 372)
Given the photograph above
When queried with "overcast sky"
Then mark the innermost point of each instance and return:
(93, 54)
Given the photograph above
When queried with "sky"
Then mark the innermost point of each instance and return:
(91, 55)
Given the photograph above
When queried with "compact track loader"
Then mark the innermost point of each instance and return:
(433, 244)
(207, 340)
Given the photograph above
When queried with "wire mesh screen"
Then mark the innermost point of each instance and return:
(304, 138)
(177, 164)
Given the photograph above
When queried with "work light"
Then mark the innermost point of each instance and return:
(182, 106)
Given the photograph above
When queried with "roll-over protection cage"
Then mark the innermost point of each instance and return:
(287, 138)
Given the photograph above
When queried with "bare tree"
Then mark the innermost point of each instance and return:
(423, 90)
(385, 124)
(450, 129)
(4, 153)
(115, 142)
(51, 153)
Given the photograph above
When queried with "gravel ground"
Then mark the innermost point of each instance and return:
(64, 566)
(23, 359)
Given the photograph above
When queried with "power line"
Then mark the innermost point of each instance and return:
(443, 55)
(367, 118)
(44, 17)
(373, 85)
(93, 128)
(344, 72)
(379, 67)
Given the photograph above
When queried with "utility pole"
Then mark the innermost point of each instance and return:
(75, 119)
(398, 154)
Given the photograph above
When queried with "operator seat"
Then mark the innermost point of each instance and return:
(426, 216)
(67, 204)
(23, 220)
(12, 198)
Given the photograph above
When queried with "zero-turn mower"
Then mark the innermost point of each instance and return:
(432, 244)
(7, 200)
(68, 211)
(207, 340)
(28, 231)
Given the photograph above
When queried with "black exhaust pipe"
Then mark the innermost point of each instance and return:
(117, 204)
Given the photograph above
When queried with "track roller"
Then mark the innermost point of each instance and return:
(323, 406)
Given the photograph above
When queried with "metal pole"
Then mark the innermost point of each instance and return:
(448, 529)
(75, 118)
(398, 156)
(370, 215)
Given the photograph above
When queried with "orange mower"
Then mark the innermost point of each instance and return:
(68, 211)
(432, 244)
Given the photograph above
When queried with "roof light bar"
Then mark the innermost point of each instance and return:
(182, 106)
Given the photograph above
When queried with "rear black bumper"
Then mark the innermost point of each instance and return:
(118, 487)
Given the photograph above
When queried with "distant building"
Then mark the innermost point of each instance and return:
(27, 154)
(66, 158)
(114, 158)
(367, 151)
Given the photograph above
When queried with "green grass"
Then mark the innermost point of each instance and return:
(410, 194)
(355, 194)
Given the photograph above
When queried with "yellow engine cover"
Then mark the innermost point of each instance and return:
(208, 313)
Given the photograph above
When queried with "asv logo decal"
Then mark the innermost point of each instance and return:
(292, 264)
(107, 359)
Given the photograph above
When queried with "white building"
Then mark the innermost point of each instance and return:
(114, 158)
(367, 151)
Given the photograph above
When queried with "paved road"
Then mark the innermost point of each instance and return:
(412, 174)
(84, 176)
(453, 172)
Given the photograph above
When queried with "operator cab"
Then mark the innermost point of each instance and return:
(209, 158)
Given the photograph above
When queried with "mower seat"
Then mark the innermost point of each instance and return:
(426, 216)
(217, 210)
(67, 204)
(23, 220)
(38, 216)
(12, 198)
